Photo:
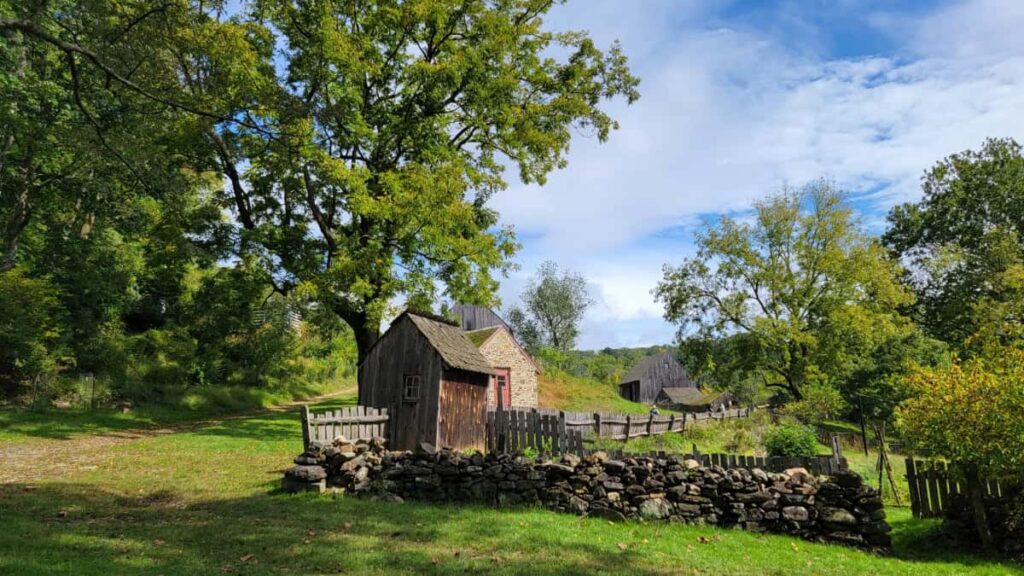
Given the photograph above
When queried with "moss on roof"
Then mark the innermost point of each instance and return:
(451, 343)
(478, 337)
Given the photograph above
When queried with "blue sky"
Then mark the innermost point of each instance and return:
(740, 98)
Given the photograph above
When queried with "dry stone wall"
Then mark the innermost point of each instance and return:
(840, 509)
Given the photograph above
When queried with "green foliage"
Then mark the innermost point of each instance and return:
(969, 413)
(804, 289)
(820, 402)
(964, 243)
(553, 307)
(30, 325)
(791, 440)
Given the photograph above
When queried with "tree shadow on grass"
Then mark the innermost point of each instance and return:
(71, 528)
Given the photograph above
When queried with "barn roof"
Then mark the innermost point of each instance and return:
(688, 396)
(451, 343)
(638, 371)
(473, 317)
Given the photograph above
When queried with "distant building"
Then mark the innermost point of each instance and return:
(474, 317)
(433, 381)
(515, 373)
(694, 400)
(649, 376)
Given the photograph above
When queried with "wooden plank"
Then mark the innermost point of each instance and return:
(943, 484)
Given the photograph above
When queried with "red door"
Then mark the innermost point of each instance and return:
(502, 381)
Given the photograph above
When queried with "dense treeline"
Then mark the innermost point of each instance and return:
(201, 195)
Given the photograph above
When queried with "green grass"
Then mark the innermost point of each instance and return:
(575, 394)
(205, 501)
(67, 422)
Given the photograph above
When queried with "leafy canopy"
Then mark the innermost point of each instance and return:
(963, 244)
(808, 292)
(553, 306)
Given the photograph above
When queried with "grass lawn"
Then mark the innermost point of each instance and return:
(204, 501)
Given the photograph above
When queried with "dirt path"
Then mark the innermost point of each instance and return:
(46, 459)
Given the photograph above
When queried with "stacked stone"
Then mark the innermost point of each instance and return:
(309, 472)
(673, 489)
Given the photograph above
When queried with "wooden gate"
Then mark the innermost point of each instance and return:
(933, 484)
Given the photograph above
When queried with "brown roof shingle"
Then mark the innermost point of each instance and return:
(452, 344)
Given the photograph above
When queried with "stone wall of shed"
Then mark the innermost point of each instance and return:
(502, 352)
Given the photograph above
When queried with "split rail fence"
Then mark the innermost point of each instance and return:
(352, 422)
(933, 485)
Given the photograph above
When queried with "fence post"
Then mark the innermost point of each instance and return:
(629, 428)
(650, 422)
(597, 424)
(304, 415)
(671, 422)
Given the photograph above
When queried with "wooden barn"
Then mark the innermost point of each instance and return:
(474, 317)
(432, 380)
(645, 381)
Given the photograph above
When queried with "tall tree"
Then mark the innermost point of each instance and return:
(800, 282)
(366, 175)
(963, 244)
(553, 306)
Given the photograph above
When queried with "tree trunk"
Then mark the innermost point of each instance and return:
(977, 497)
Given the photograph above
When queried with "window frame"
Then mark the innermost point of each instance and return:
(415, 381)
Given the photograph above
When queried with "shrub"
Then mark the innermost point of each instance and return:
(791, 440)
(820, 402)
(30, 335)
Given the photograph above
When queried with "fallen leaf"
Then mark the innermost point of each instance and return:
(795, 549)
(703, 539)
(310, 532)
(347, 525)
(495, 560)
(158, 542)
(246, 558)
(622, 546)
(434, 561)
(62, 513)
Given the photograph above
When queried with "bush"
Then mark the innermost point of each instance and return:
(30, 336)
(791, 440)
(820, 402)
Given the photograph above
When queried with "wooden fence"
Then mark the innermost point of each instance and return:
(933, 484)
(352, 422)
(626, 426)
(516, 430)
(816, 465)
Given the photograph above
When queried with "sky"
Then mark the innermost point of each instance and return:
(739, 98)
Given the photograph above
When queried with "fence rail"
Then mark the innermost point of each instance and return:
(933, 485)
(352, 422)
(626, 426)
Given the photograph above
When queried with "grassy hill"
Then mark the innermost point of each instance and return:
(581, 394)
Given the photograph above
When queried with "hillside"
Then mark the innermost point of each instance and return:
(581, 394)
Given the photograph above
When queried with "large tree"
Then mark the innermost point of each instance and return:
(963, 245)
(393, 123)
(809, 292)
(553, 305)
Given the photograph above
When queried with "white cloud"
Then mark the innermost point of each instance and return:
(728, 114)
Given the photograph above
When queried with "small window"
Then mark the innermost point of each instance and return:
(411, 388)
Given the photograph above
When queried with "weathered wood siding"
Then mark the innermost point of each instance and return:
(463, 410)
(403, 350)
(477, 317)
(663, 371)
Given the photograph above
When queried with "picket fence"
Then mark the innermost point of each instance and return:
(626, 426)
(352, 422)
(933, 485)
(517, 430)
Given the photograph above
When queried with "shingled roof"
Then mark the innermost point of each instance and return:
(451, 343)
(688, 396)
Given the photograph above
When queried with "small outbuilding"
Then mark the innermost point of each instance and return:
(686, 399)
(515, 373)
(645, 381)
(433, 381)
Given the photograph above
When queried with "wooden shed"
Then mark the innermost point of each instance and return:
(432, 380)
(645, 381)
(686, 399)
